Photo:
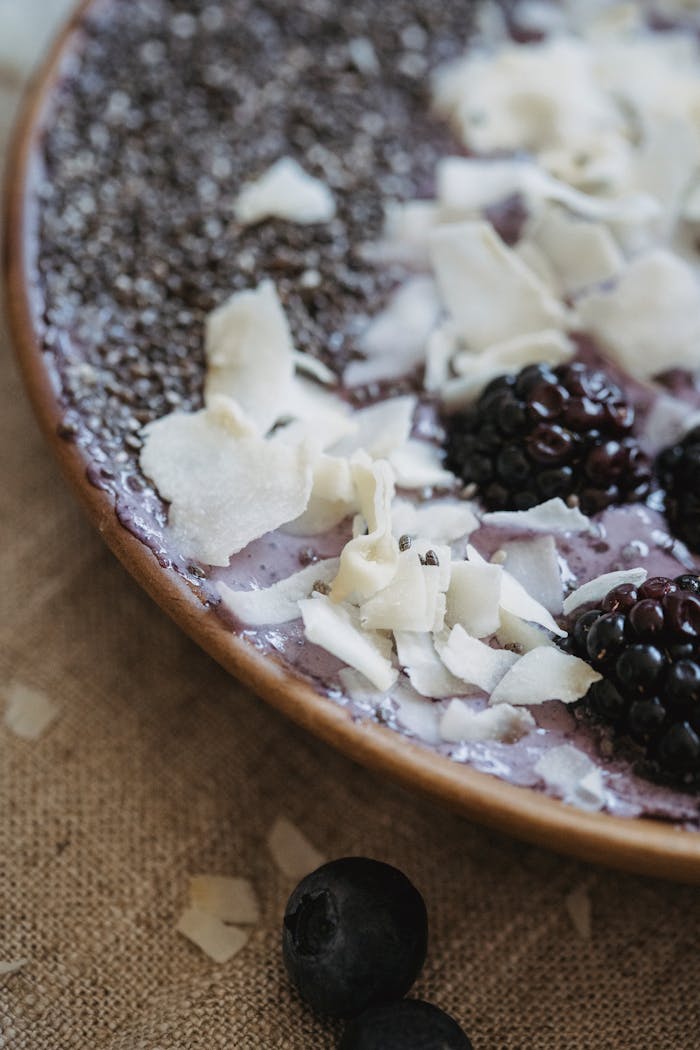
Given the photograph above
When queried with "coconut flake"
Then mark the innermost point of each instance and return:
(12, 966)
(29, 712)
(490, 293)
(443, 521)
(249, 354)
(225, 488)
(381, 428)
(571, 775)
(442, 345)
(409, 603)
(578, 908)
(311, 366)
(396, 339)
(368, 562)
(427, 673)
(285, 191)
(418, 464)
(534, 563)
(474, 596)
(519, 633)
(545, 674)
(337, 629)
(407, 230)
(552, 516)
(291, 850)
(473, 661)
(581, 253)
(650, 321)
(595, 590)
(216, 939)
(505, 724)
(419, 716)
(278, 603)
(516, 600)
(225, 898)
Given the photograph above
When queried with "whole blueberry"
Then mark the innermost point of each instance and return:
(409, 1024)
(355, 934)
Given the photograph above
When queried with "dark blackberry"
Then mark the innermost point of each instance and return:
(549, 432)
(646, 643)
(678, 468)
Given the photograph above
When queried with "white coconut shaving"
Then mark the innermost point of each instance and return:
(285, 191)
(427, 673)
(380, 429)
(595, 590)
(581, 253)
(291, 850)
(521, 635)
(571, 775)
(504, 723)
(552, 516)
(278, 603)
(474, 598)
(12, 966)
(473, 661)
(420, 717)
(516, 600)
(410, 602)
(226, 486)
(218, 940)
(338, 629)
(250, 354)
(29, 712)
(545, 674)
(534, 563)
(489, 292)
(443, 521)
(420, 464)
(231, 900)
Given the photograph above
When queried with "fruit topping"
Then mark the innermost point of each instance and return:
(678, 468)
(645, 641)
(545, 433)
(355, 934)
(409, 1024)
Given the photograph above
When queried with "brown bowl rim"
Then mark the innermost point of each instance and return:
(639, 845)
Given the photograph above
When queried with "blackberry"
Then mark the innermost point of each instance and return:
(646, 643)
(678, 468)
(549, 432)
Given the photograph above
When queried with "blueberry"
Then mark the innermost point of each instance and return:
(679, 749)
(583, 626)
(606, 637)
(355, 934)
(638, 668)
(407, 1025)
(606, 701)
(645, 718)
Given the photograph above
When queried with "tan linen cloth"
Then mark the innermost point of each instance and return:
(160, 766)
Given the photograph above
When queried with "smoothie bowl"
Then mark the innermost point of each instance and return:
(371, 341)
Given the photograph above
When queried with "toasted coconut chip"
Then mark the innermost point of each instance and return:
(409, 603)
(650, 321)
(521, 634)
(396, 339)
(418, 464)
(474, 597)
(578, 908)
(225, 898)
(285, 191)
(440, 522)
(490, 293)
(516, 600)
(595, 590)
(581, 253)
(368, 562)
(426, 671)
(552, 516)
(217, 940)
(337, 629)
(573, 777)
(506, 724)
(381, 428)
(249, 354)
(224, 489)
(477, 370)
(29, 712)
(534, 563)
(278, 603)
(291, 850)
(545, 674)
(12, 966)
(474, 661)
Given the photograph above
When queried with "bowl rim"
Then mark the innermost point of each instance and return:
(639, 845)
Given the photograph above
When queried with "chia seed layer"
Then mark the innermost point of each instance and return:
(164, 108)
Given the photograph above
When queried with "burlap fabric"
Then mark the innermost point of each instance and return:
(160, 766)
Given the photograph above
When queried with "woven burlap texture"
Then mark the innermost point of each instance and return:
(160, 766)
